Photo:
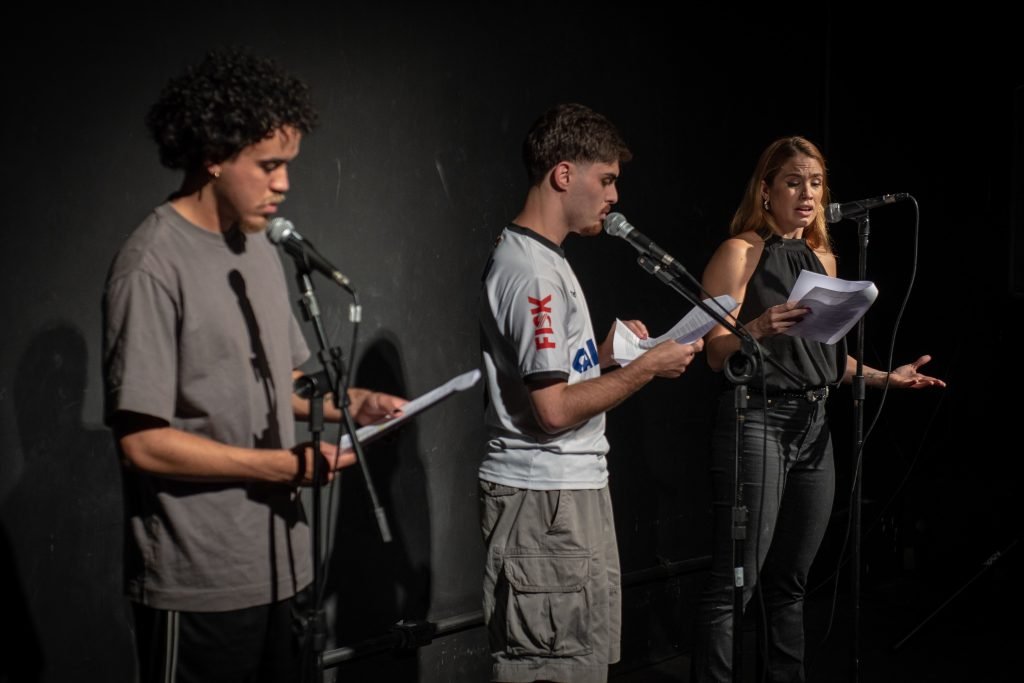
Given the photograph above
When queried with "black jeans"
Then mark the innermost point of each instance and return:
(784, 529)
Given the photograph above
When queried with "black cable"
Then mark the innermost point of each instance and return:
(841, 562)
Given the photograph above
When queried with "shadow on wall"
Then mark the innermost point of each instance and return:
(64, 615)
(372, 585)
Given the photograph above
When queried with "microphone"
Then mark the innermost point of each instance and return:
(616, 224)
(837, 212)
(281, 232)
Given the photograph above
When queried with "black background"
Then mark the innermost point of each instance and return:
(406, 183)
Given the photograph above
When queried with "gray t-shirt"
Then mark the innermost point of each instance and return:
(536, 326)
(199, 331)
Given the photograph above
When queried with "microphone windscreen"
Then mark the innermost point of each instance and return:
(278, 229)
(615, 224)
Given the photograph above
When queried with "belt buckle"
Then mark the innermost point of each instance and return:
(815, 395)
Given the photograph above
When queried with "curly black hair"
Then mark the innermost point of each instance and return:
(231, 100)
(571, 132)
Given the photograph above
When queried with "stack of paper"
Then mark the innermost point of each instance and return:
(835, 305)
(370, 432)
(627, 347)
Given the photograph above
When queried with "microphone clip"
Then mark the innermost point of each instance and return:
(315, 385)
(654, 267)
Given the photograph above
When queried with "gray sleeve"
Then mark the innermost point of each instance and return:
(140, 348)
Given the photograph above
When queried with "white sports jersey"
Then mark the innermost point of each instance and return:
(536, 326)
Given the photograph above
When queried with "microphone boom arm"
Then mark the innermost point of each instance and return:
(745, 362)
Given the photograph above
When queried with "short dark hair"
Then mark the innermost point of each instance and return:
(571, 132)
(229, 101)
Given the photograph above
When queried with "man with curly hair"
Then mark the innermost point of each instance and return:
(552, 599)
(200, 354)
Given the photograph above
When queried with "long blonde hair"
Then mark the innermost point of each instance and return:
(751, 214)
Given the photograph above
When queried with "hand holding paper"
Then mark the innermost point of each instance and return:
(627, 346)
(835, 305)
(369, 432)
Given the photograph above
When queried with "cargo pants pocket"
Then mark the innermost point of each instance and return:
(548, 610)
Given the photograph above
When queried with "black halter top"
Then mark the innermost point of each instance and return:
(812, 363)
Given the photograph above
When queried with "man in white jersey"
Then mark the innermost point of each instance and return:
(552, 598)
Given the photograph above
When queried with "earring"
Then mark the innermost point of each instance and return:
(215, 174)
(765, 204)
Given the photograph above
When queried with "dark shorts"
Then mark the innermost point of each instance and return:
(263, 643)
(552, 595)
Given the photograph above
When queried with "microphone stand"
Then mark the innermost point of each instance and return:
(314, 387)
(742, 366)
(859, 394)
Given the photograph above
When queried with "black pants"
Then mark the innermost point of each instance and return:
(784, 529)
(262, 644)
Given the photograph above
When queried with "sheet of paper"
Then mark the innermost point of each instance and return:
(835, 305)
(627, 347)
(416, 405)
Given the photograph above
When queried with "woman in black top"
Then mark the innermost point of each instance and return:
(787, 471)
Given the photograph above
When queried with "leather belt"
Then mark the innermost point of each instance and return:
(812, 395)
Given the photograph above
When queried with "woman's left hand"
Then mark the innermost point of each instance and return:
(908, 377)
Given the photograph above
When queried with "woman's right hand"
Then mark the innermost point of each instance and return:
(777, 319)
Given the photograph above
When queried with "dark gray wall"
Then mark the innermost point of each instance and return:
(406, 184)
